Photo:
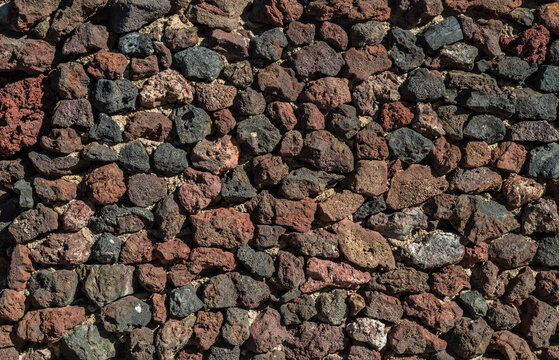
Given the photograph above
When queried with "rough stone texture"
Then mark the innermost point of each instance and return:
(279, 179)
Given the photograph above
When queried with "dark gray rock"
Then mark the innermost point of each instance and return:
(25, 191)
(236, 186)
(239, 73)
(368, 33)
(267, 236)
(546, 80)
(521, 16)
(257, 262)
(258, 134)
(111, 97)
(444, 33)
(169, 160)
(453, 118)
(268, 45)
(318, 59)
(300, 309)
(134, 157)
(192, 124)
(553, 53)
(88, 342)
(110, 218)
(304, 182)
(532, 105)
(343, 122)
(98, 152)
(199, 62)
(399, 225)
(184, 301)
(513, 68)
(106, 129)
(488, 128)
(131, 15)
(423, 85)
(106, 249)
(249, 102)
(135, 44)
(548, 251)
(409, 145)
(236, 327)
(539, 131)
(370, 207)
(502, 317)
(331, 307)
(543, 161)
(252, 293)
(224, 353)
(487, 102)
(474, 303)
(405, 54)
(125, 314)
(469, 338)
(103, 284)
(52, 288)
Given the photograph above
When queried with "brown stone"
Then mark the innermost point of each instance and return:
(69, 249)
(223, 227)
(324, 273)
(107, 65)
(32, 223)
(410, 338)
(105, 185)
(200, 190)
(327, 93)
(47, 326)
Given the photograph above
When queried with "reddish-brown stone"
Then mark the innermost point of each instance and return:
(489, 7)
(282, 114)
(148, 125)
(327, 93)
(200, 190)
(215, 96)
(12, 305)
(22, 111)
(62, 141)
(76, 216)
(276, 12)
(362, 63)
(334, 35)
(68, 249)
(107, 65)
(475, 154)
(54, 191)
(138, 248)
(20, 268)
(339, 206)
(530, 45)
(433, 312)
(266, 332)
(223, 227)
(449, 281)
(206, 329)
(445, 156)
(324, 273)
(508, 156)
(143, 68)
(47, 326)
(105, 185)
(394, 115)
(414, 186)
(410, 338)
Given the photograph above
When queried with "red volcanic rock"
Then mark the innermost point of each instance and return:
(54, 191)
(215, 96)
(107, 65)
(143, 68)
(266, 332)
(68, 249)
(12, 305)
(354, 11)
(383, 307)
(216, 156)
(87, 37)
(171, 250)
(413, 186)
(70, 81)
(410, 338)
(539, 321)
(276, 12)
(152, 278)
(339, 206)
(22, 111)
(326, 152)
(206, 258)
(223, 121)
(433, 312)
(200, 190)
(42, 220)
(508, 156)
(76, 216)
(475, 154)
(146, 189)
(62, 141)
(223, 227)
(105, 185)
(300, 34)
(370, 143)
(148, 125)
(449, 281)
(519, 191)
(445, 156)
(310, 117)
(363, 247)
(327, 93)
(282, 114)
(47, 326)
(511, 346)
(207, 329)
(20, 268)
(394, 115)
(279, 81)
(312, 340)
(138, 248)
(490, 7)
(325, 273)
(334, 35)
(362, 63)
(548, 14)
(267, 209)
(229, 43)
(530, 45)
